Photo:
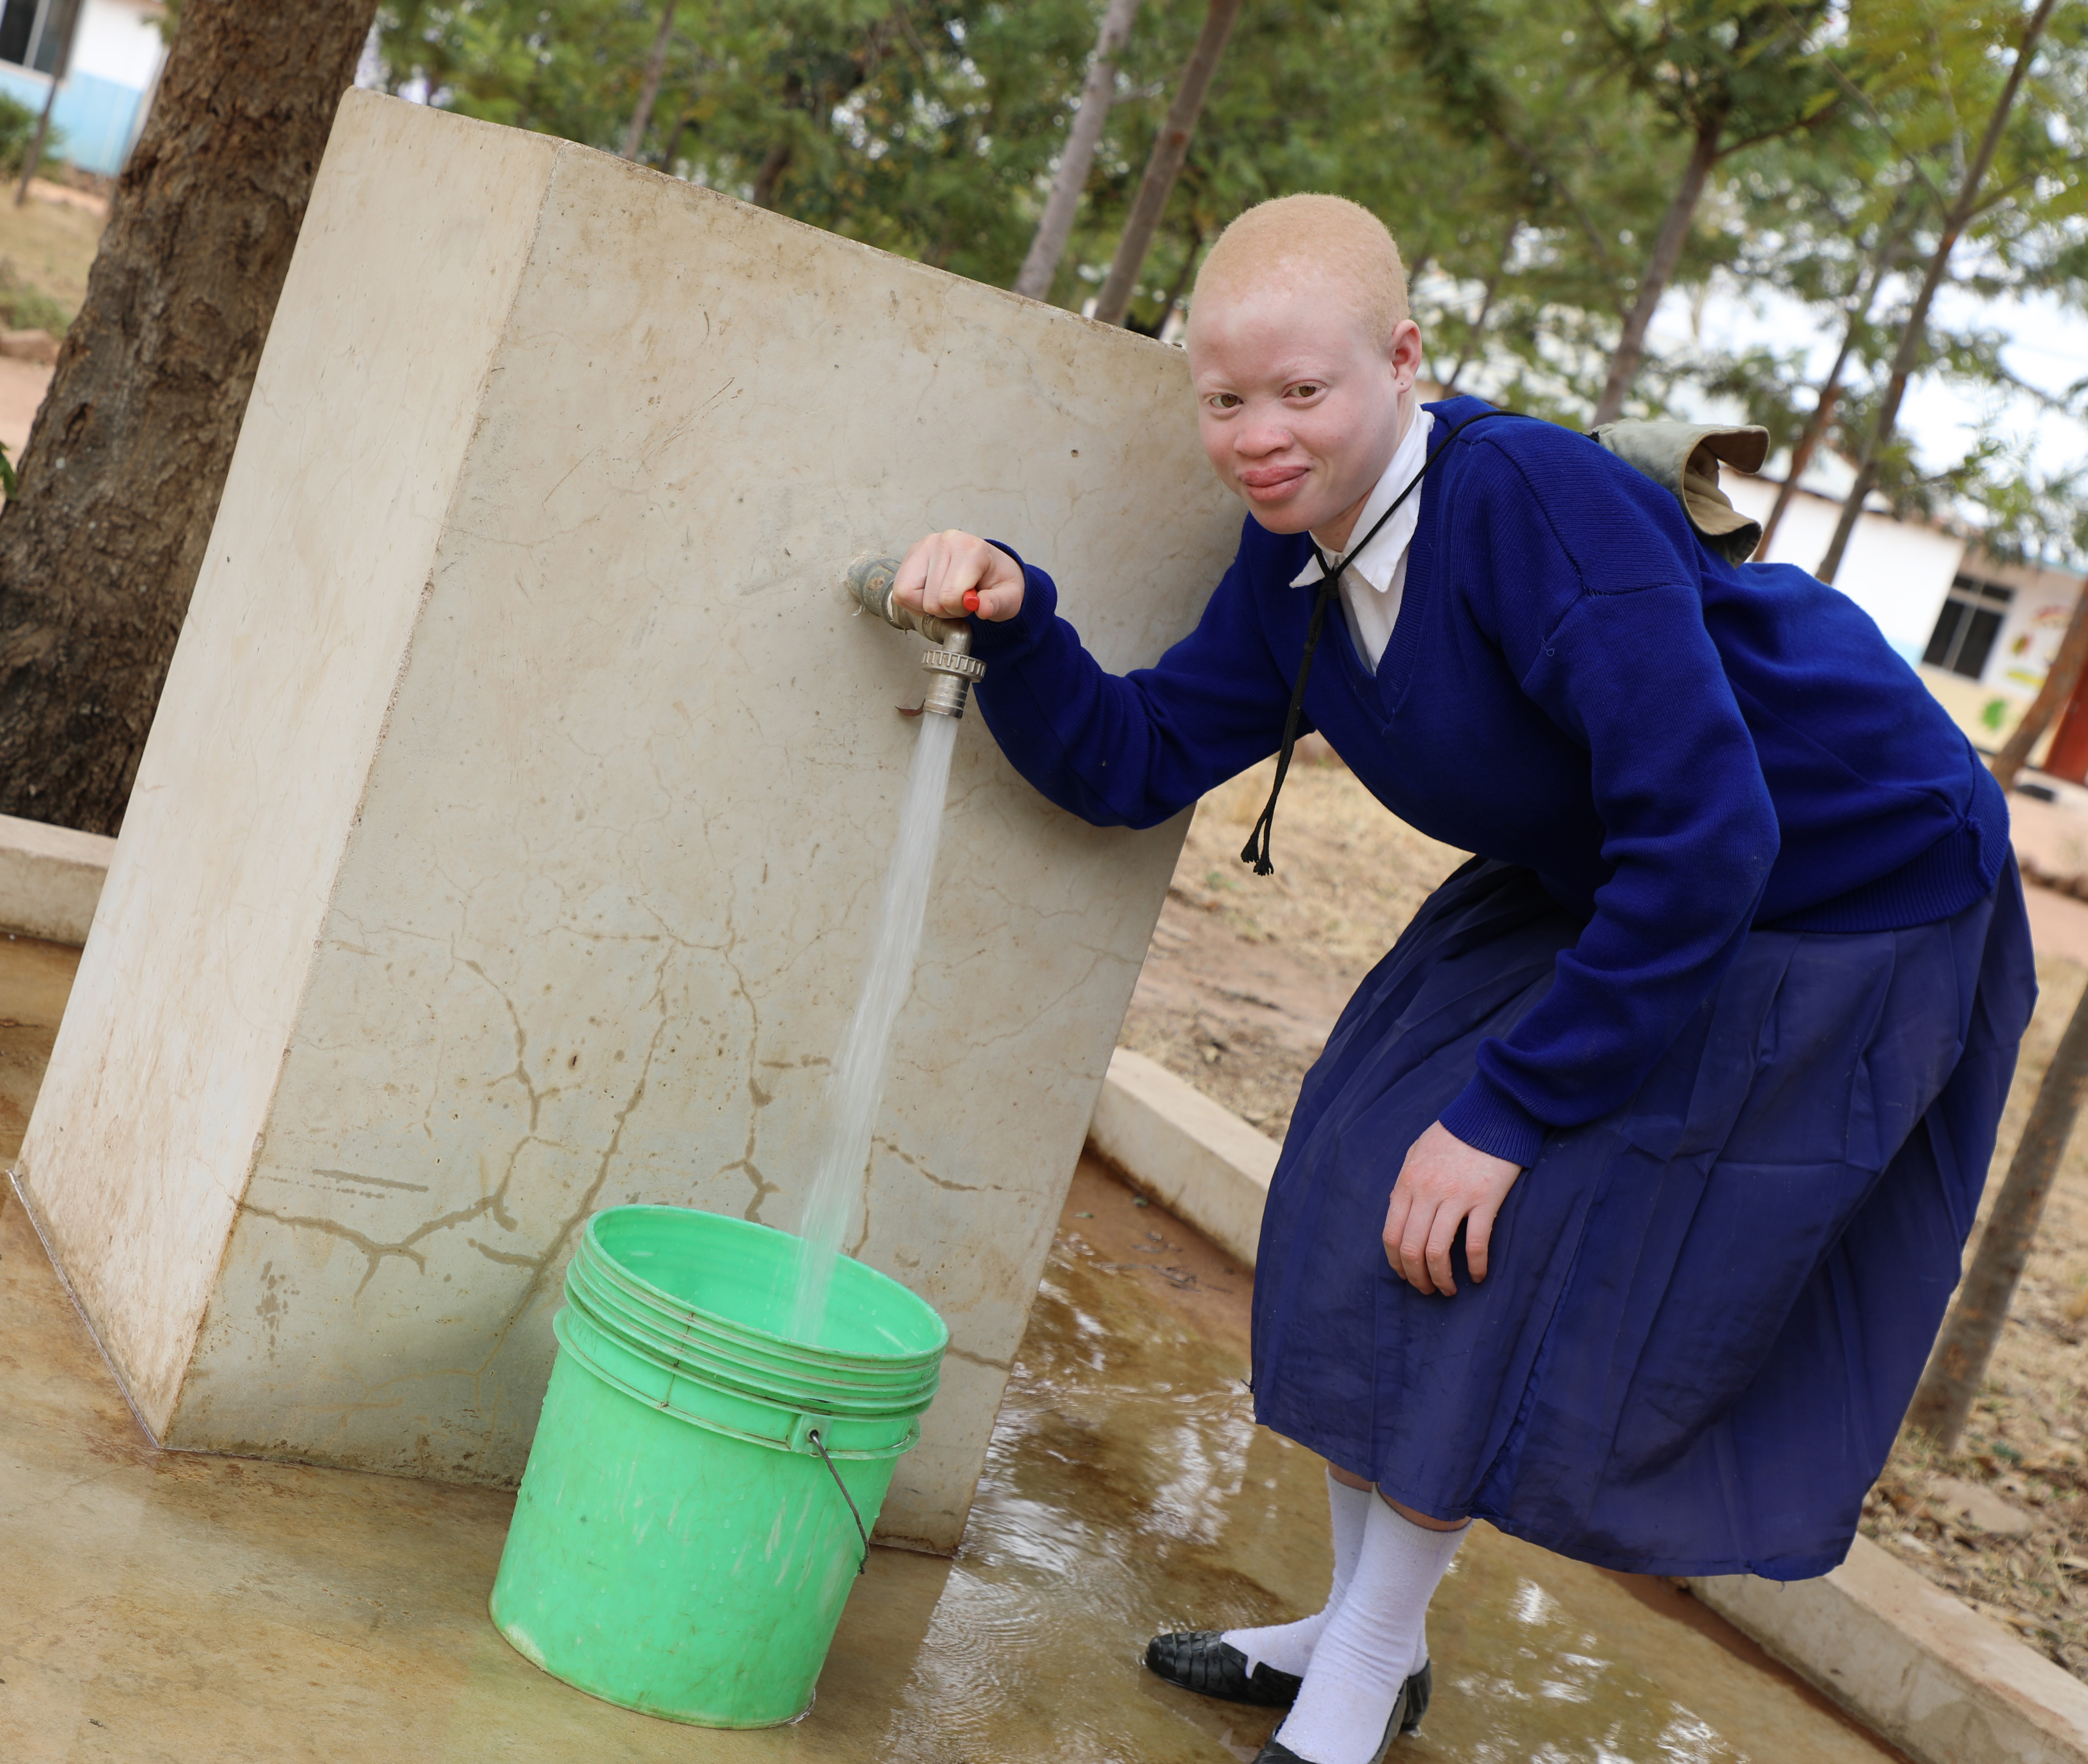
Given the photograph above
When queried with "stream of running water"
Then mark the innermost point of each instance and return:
(855, 1083)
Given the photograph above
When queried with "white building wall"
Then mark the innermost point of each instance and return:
(2037, 619)
(119, 41)
(101, 102)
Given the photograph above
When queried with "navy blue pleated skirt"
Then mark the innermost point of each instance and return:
(1706, 1312)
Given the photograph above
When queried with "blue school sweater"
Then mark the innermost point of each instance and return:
(1681, 749)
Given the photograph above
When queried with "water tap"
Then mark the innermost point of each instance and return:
(947, 657)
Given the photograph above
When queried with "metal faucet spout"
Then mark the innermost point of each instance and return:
(948, 658)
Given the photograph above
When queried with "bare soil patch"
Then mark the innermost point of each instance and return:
(1246, 975)
(47, 246)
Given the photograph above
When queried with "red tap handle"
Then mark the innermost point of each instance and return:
(971, 600)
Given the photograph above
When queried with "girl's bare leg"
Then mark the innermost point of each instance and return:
(1421, 1519)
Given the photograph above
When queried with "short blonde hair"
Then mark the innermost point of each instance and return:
(1330, 237)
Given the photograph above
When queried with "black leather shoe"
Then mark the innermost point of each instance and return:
(1420, 1689)
(1202, 1661)
(1276, 1752)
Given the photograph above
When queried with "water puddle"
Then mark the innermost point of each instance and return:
(1127, 1490)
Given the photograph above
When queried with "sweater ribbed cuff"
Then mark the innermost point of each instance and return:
(1489, 1119)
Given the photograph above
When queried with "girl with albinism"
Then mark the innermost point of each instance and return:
(1623, 1207)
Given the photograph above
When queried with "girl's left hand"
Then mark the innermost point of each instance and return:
(1442, 1184)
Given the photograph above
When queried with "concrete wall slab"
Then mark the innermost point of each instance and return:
(507, 844)
(1927, 1671)
(1194, 1156)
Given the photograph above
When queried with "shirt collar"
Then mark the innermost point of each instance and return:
(1377, 561)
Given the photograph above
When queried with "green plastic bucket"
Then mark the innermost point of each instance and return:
(682, 1542)
(691, 1340)
(606, 1290)
(663, 1270)
(733, 1372)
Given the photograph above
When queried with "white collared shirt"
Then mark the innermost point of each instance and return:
(1374, 579)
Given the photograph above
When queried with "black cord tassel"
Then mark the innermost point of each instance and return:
(1255, 851)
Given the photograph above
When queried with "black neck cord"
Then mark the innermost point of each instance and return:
(1255, 851)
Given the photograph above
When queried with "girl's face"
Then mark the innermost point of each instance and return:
(1299, 410)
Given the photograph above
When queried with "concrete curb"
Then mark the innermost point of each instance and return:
(1195, 1157)
(1944, 1684)
(1921, 1668)
(50, 878)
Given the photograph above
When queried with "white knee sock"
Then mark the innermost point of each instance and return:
(1374, 1641)
(1288, 1646)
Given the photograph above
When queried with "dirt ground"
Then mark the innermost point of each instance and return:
(48, 243)
(1246, 975)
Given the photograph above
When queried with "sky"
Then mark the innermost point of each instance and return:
(2047, 347)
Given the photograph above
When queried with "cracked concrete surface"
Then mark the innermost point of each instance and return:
(508, 840)
(168, 1606)
(176, 1606)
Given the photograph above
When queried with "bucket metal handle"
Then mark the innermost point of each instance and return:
(797, 1439)
(820, 1446)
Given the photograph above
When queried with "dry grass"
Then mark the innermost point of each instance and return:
(1348, 875)
(47, 247)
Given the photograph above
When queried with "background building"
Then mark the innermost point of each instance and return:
(116, 53)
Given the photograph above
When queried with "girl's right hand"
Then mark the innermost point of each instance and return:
(938, 572)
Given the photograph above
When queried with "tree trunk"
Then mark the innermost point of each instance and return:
(1830, 388)
(648, 91)
(768, 179)
(1959, 1363)
(2066, 754)
(1915, 331)
(672, 145)
(1165, 166)
(1660, 268)
(1182, 278)
(2052, 697)
(1803, 449)
(770, 176)
(120, 483)
(1056, 225)
(1472, 341)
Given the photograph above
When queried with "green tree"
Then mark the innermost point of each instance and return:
(1958, 217)
(1727, 75)
(1539, 234)
(925, 129)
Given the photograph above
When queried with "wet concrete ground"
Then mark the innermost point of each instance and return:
(34, 980)
(165, 1606)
